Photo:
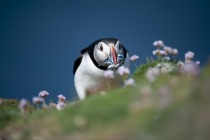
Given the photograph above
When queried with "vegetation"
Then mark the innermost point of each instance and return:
(173, 104)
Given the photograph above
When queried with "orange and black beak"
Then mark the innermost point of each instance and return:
(114, 55)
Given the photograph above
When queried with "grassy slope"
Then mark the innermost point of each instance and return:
(172, 107)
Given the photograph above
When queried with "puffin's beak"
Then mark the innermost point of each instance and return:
(114, 55)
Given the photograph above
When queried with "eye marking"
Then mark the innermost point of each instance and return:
(101, 48)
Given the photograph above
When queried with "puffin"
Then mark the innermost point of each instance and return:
(101, 55)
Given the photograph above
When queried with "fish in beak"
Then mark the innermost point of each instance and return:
(114, 55)
(113, 60)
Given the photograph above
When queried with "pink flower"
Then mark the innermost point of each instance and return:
(180, 65)
(60, 105)
(22, 105)
(43, 94)
(152, 73)
(190, 68)
(122, 70)
(167, 49)
(158, 43)
(174, 52)
(109, 74)
(163, 53)
(130, 82)
(61, 98)
(134, 57)
(197, 63)
(37, 100)
(189, 56)
(156, 52)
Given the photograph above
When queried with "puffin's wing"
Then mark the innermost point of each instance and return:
(78, 60)
(127, 61)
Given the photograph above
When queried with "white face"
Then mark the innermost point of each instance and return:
(101, 52)
(106, 55)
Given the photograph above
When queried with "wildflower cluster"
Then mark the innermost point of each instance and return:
(22, 105)
(163, 52)
(189, 67)
(123, 72)
(152, 73)
(40, 99)
(61, 102)
(134, 57)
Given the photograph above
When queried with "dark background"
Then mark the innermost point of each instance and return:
(40, 39)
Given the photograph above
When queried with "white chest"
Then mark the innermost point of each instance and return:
(90, 78)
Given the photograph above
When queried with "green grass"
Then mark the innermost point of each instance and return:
(172, 107)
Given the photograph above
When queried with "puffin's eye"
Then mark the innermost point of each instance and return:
(101, 48)
(120, 47)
